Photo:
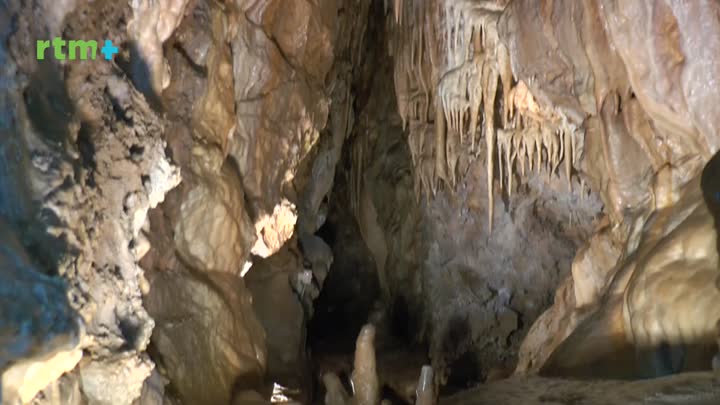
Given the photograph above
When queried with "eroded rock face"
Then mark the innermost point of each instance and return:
(37, 346)
(258, 103)
(91, 155)
(582, 104)
(471, 294)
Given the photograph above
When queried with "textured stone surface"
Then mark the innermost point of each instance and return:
(91, 157)
(99, 380)
(279, 116)
(37, 346)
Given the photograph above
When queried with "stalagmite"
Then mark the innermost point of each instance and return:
(425, 392)
(335, 393)
(366, 388)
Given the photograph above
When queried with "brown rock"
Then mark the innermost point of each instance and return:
(207, 334)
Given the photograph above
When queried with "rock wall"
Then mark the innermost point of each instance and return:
(232, 94)
(84, 161)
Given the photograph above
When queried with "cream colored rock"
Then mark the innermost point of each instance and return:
(549, 330)
(593, 268)
(366, 387)
(663, 294)
(152, 24)
(22, 381)
(335, 392)
(214, 232)
(40, 336)
(214, 112)
(672, 296)
(115, 382)
(275, 229)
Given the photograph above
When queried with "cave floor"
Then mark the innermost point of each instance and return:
(689, 388)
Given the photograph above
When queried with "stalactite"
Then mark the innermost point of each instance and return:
(489, 91)
(537, 136)
(504, 145)
(506, 76)
(440, 161)
(521, 152)
(568, 159)
(476, 98)
(452, 154)
(448, 57)
(529, 142)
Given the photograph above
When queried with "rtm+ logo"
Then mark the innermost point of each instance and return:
(85, 49)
